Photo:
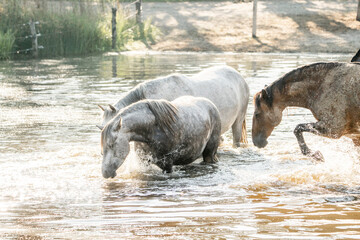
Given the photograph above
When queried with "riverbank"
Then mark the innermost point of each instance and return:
(283, 26)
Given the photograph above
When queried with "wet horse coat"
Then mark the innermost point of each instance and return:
(174, 133)
(330, 90)
(222, 85)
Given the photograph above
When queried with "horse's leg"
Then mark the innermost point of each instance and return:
(356, 140)
(209, 153)
(165, 164)
(314, 128)
(239, 132)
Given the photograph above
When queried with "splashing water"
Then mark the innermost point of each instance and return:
(51, 183)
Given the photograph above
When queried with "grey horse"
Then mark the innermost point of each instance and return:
(222, 85)
(175, 133)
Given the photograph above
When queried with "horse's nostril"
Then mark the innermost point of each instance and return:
(260, 142)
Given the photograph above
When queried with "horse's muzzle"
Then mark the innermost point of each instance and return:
(108, 174)
(259, 141)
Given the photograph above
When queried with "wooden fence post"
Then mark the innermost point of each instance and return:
(358, 12)
(138, 18)
(34, 39)
(138, 11)
(255, 18)
(113, 27)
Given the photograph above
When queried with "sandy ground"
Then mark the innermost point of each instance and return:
(283, 26)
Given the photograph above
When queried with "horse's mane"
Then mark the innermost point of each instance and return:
(356, 58)
(105, 133)
(297, 75)
(165, 114)
(132, 96)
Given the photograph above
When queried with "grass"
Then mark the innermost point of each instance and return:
(67, 33)
(7, 41)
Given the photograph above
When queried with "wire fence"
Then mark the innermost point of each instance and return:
(35, 34)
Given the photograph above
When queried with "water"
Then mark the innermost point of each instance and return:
(52, 188)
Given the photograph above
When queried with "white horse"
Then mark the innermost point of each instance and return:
(174, 133)
(222, 85)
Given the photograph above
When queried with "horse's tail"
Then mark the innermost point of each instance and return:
(243, 133)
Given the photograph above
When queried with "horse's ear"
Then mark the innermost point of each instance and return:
(118, 126)
(101, 107)
(112, 108)
(266, 97)
(264, 94)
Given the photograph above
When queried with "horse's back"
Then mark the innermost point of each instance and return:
(338, 98)
(197, 106)
(227, 89)
(344, 81)
(169, 87)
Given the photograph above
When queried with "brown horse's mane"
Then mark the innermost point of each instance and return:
(297, 75)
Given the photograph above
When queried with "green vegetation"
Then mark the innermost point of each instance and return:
(65, 32)
(7, 41)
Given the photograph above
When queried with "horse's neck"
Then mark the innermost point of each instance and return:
(131, 97)
(138, 124)
(294, 94)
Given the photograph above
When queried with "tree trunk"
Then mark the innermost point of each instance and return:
(358, 12)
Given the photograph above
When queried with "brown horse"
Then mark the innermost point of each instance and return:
(330, 90)
(356, 58)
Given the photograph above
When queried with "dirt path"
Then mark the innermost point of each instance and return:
(283, 26)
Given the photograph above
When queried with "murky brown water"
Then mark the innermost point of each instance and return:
(51, 185)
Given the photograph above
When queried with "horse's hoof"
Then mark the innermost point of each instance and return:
(317, 156)
(210, 160)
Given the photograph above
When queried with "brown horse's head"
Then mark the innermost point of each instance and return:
(266, 117)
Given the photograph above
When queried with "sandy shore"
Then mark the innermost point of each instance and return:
(283, 26)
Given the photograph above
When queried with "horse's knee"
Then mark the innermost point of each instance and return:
(298, 129)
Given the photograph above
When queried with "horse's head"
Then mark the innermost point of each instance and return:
(114, 146)
(266, 117)
(109, 113)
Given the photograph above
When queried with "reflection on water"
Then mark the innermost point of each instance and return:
(51, 183)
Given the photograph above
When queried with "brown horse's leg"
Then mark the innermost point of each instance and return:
(356, 140)
(312, 128)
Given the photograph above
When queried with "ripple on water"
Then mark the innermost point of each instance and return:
(51, 183)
